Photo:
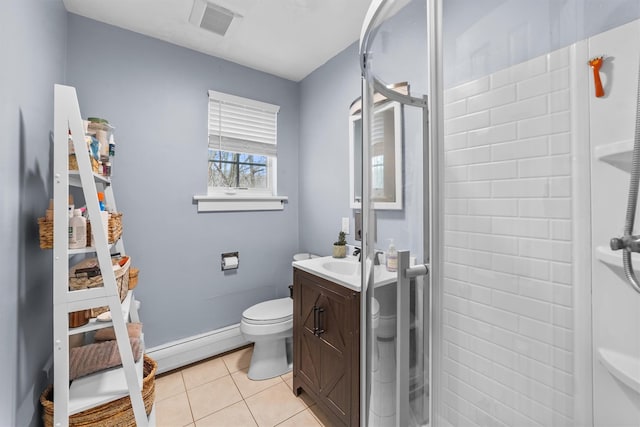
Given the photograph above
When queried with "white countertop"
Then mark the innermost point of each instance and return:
(321, 267)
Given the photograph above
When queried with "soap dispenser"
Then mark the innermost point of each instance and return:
(392, 257)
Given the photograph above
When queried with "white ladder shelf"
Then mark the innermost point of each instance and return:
(111, 384)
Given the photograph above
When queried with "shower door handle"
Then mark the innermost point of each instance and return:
(317, 329)
(403, 300)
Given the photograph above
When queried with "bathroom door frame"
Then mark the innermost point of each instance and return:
(436, 136)
(583, 406)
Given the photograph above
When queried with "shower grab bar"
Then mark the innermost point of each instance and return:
(628, 242)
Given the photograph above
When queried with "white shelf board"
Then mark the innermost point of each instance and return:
(623, 367)
(617, 154)
(95, 324)
(87, 250)
(101, 387)
(74, 179)
(614, 258)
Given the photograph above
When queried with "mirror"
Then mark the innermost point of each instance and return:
(386, 156)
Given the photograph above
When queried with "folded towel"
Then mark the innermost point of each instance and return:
(107, 334)
(92, 358)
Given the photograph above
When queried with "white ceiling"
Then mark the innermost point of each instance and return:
(287, 38)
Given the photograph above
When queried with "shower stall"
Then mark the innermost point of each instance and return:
(511, 305)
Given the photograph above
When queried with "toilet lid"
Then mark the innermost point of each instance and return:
(375, 308)
(300, 257)
(303, 256)
(273, 311)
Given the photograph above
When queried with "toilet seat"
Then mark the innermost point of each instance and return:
(269, 312)
(303, 256)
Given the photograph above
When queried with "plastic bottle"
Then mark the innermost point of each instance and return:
(77, 230)
(101, 201)
(392, 257)
(112, 146)
(71, 207)
(104, 213)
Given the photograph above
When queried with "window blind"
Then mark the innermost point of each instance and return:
(242, 125)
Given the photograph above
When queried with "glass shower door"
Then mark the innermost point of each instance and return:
(396, 286)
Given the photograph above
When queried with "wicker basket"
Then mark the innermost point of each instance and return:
(114, 230)
(116, 413)
(46, 233)
(115, 226)
(83, 280)
(133, 277)
(73, 163)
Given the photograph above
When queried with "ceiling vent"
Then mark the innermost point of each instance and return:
(211, 17)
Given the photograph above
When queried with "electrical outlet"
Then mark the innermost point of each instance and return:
(345, 225)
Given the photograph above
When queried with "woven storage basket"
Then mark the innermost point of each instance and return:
(114, 230)
(46, 233)
(117, 413)
(73, 163)
(79, 280)
(133, 277)
(115, 226)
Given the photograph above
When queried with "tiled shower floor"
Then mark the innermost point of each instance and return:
(217, 392)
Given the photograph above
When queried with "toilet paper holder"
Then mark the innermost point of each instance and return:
(229, 261)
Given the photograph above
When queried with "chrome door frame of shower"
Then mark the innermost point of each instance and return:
(431, 112)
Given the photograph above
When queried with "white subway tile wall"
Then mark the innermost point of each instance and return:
(508, 316)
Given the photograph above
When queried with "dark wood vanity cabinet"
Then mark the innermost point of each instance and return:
(326, 346)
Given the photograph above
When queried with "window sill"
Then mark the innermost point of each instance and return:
(228, 203)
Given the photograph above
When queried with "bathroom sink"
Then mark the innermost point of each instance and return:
(345, 271)
(342, 267)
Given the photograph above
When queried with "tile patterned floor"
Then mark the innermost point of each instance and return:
(217, 392)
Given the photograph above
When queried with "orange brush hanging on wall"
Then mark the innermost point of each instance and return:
(595, 64)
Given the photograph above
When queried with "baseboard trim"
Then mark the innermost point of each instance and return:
(177, 354)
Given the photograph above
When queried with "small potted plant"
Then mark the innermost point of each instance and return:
(340, 247)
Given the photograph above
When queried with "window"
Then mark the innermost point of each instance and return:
(242, 145)
(237, 170)
(242, 158)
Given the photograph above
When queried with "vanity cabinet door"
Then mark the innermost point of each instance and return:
(326, 345)
(307, 345)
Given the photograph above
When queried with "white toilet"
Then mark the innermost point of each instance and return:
(268, 324)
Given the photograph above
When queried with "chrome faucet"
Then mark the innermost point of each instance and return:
(358, 252)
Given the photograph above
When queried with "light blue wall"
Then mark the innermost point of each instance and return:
(325, 97)
(155, 94)
(484, 36)
(33, 34)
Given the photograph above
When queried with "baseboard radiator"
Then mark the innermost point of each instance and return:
(177, 354)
